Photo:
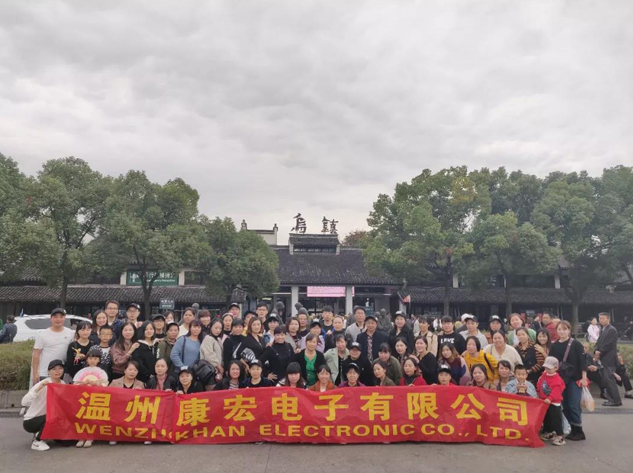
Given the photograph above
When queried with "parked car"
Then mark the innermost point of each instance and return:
(29, 325)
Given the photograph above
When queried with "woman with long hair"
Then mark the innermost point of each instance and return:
(533, 355)
(380, 374)
(411, 373)
(234, 378)
(293, 378)
(99, 319)
(428, 361)
(123, 349)
(544, 340)
(186, 350)
(400, 330)
(293, 333)
(450, 357)
(188, 316)
(401, 349)
(145, 355)
(78, 349)
(480, 378)
(255, 337)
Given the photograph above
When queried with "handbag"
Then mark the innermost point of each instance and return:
(567, 370)
(204, 371)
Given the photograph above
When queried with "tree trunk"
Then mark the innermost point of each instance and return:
(508, 292)
(575, 303)
(448, 283)
(64, 293)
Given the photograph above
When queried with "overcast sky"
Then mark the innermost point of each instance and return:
(270, 108)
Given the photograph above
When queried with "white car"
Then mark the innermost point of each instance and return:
(29, 325)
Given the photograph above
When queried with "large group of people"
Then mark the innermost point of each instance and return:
(260, 349)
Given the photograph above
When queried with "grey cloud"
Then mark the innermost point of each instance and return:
(270, 108)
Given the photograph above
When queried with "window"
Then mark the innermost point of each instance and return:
(39, 324)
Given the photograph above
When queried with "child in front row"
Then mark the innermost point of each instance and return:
(550, 388)
(520, 385)
(91, 375)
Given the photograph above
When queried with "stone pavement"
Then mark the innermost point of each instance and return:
(608, 449)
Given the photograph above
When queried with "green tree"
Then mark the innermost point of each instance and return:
(504, 247)
(568, 214)
(12, 216)
(65, 211)
(354, 238)
(153, 228)
(239, 260)
(419, 234)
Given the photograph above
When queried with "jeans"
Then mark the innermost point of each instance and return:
(571, 404)
(35, 425)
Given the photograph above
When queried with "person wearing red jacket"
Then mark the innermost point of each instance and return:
(411, 373)
(550, 387)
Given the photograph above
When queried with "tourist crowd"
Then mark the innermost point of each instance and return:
(539, 359)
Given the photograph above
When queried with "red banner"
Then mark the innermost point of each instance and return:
(351, 415)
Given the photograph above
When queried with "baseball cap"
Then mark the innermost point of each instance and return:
(315, 322)
(255, 362)
(272, 317)
(133, 304)
(398, 313)
(466, 317)
(372, 317)
(234, 304)
(185, 369)
(551, 363)
(444, 369)
(354, 345)
(55, 363)
(495, 317)
(158, 316)
(352, 366)
(59, 310)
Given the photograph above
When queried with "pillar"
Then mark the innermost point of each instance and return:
(349, 299)
(556, 281)
(181, 278)
(294, 298)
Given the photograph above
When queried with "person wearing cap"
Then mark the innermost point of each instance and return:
(164, 347)
(132, 313)
(358, 326)
(262, 312)
(550, 387)
(384, 321)
(471, 325)
(394, 367)
(255, 380)
(444, 375)
(361, 362)
(35, 402)
(371, 339)
(159, 326)
(448, 335)
(50, 344)
(145, 354)
(187, 384)
(335, 357)
(304, 321)
(277, 356)
(315, 329)
(425, 331)
(234, 344)
(327, 319)
(495, 324)
(352, 377)
(188, 316)
(235, 310)
(461, 327)
(310, 359)
(400, 330)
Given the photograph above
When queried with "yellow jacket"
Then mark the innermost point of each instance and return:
(485, 359)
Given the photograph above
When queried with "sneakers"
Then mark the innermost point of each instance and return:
(558, 441)
(147, 442)
(80, 444)
(547, 436)
(39, 445)
(611, 404)
(628, 395)
(88, 444)
(112, 443)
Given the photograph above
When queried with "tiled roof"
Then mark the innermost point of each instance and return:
(314, 240)
(422, 295)
(348, 267)
(101, 293)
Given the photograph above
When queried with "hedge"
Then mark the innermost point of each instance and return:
(15, 364)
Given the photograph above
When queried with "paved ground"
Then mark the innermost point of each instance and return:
(608, 449)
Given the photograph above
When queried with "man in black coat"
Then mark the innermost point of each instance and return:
(607, 353)
(366, 369)
(371, 338)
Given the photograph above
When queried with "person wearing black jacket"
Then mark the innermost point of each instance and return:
(187, 383)
(234, 344)
(575, 377)
(607, 352)
(339, 329)
(145, 354)
(277, 356)
(366, 370)
(162, 380)
(400, 330)
(449, 335)
(371, 337)
(310, 359)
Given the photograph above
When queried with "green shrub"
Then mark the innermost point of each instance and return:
(15, 365)
(627, 354)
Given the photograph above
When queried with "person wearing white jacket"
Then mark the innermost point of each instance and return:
(35, 400)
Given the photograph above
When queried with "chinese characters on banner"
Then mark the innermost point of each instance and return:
(360, 415)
